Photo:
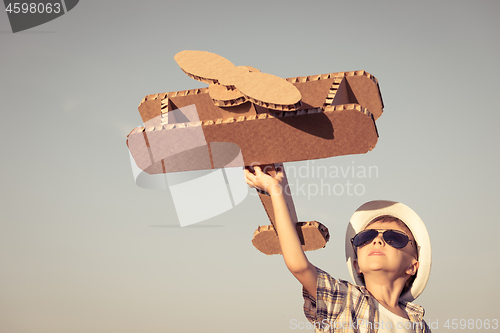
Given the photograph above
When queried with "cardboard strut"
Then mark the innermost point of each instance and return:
(266, 119)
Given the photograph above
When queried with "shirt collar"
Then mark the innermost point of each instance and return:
(415, 312)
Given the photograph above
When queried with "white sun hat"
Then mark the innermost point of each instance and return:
(373, 209)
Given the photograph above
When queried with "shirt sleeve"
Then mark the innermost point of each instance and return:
(329, 302)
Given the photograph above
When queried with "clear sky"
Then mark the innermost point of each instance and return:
(84, 249)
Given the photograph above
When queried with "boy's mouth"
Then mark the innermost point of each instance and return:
(376, 253)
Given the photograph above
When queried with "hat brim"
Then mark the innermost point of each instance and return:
(370, 210)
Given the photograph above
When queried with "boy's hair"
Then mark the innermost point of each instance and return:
(390, 218)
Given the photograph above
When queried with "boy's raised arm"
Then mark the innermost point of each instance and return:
(295, 258)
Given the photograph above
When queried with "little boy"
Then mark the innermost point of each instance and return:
(386, 243)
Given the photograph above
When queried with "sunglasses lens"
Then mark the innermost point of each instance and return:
(364, 237)
(396, 239)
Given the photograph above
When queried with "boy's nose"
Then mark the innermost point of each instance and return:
(379, 240)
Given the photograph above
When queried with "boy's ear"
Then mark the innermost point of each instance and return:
(355, 263)
(412, 270)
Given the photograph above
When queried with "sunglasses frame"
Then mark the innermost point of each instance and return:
(383, 231)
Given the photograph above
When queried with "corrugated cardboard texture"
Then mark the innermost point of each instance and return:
(231, 85)
(313, 236)
(329, 122)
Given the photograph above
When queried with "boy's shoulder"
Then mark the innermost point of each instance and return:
(337, 301)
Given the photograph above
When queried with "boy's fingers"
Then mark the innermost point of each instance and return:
(248, 172)
(249, 177)
(257, 169)
(279, 172)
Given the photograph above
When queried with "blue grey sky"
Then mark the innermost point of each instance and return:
(84, 249)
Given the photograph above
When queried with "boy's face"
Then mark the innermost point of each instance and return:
(378, 256)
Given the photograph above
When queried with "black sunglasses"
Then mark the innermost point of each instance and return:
(394, 238)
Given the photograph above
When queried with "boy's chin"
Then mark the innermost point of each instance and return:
(378, 269)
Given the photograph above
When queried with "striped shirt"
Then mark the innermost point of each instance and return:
(341, 306)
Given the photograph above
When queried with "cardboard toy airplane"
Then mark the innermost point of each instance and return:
(247, 118)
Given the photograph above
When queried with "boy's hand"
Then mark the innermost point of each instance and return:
(264, 181)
